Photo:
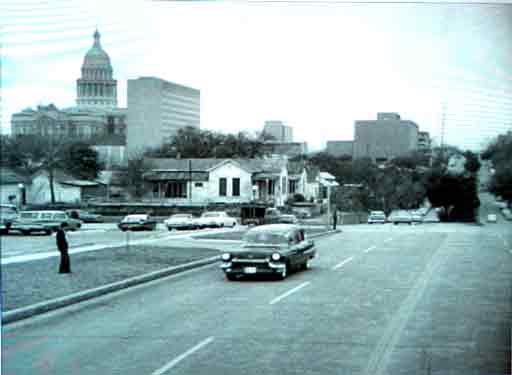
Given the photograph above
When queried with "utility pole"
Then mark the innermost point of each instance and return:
(190, 178)
(443, 116)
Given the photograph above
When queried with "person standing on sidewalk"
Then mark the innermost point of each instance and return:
(62, 245)
(334, 218)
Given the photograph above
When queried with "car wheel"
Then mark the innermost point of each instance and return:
(230, 277)
(4, 232)
(25, 232)
(124, 229)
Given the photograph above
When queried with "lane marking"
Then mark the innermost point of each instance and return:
(181, 357)
(370, 249)
(341, 264)
(279, 298)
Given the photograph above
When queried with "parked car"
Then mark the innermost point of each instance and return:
(8, 215)
(376, 217)
(180, 221)
(86, 217)
(215, 219)
(288, 219)
(417, 217)
(275, 249)
(400, 216)
(272, 216)
(492, 218)
(302, 213)
(44, 221)
(137, 222)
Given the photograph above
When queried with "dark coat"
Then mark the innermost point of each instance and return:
(62, 243)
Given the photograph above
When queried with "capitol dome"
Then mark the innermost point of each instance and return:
(96, 57)
(96, 88)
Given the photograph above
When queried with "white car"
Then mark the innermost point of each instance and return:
(215, 219)
(180, 221)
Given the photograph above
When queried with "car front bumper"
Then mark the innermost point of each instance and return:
(252, 267)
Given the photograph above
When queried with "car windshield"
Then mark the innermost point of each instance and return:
(28, 215)
(7, 211)
(211, 214)
(134, 218)
(181, 216)
(265, 238)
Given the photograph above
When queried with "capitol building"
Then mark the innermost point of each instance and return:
(96, 118)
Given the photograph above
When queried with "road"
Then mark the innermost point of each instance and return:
(378, 300)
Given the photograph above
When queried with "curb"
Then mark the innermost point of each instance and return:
(324, 233)
(46, 306)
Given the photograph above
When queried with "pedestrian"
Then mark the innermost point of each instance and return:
(62, 245)
(334, 218)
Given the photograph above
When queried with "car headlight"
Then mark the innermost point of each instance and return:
(226, 256)
(276, 256)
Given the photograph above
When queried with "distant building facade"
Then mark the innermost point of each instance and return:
(288, 149)
(424, 142)
(385, 138)
(157, 109)
(340, 148)
(279, 131)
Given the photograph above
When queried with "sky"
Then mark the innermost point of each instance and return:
(316, 65)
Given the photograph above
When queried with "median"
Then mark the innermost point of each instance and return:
(38, 284)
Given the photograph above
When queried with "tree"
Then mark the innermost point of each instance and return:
(29, 154)
(499, 152)
(191, 142)
(133, 175)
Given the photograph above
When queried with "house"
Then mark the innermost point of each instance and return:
(12, 186)
(66, 188)
(297, 178)
(229, 181)
(319, 184)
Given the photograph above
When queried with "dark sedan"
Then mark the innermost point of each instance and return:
(137, 222)
(275, 249)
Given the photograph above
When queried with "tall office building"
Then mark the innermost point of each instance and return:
(278, 130)
(385, 138)
(157, 109)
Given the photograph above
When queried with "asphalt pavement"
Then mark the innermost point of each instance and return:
(425, 299)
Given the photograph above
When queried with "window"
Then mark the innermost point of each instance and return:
(222, 187)
(176, 189)
(198, 184)
(236, 187)
(270, 187)
(292, 186)
(155, 190)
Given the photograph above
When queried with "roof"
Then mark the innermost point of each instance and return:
(312, 173)
(295, 167)
(96, 57)
(9, 177)
(208, 164)
(273, 228)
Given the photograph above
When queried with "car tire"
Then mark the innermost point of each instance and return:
(25, 232)
(3, 232)
(230, 277)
